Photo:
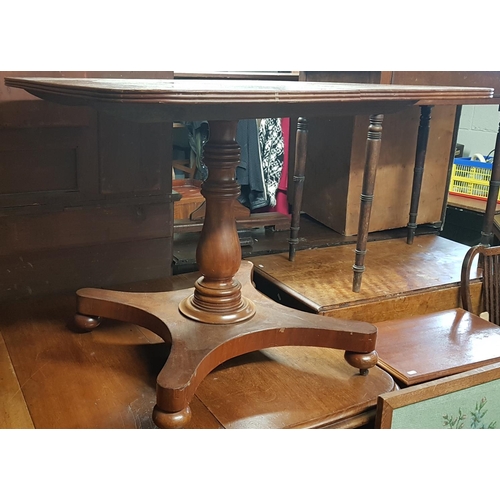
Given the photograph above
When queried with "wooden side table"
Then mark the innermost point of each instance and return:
(224, 316)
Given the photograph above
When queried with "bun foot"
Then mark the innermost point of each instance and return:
(166, 420)
(84, 324)
(363, 361)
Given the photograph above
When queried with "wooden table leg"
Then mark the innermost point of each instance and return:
(372, 153)
(418, 172)
(491, 203)
(298, 183)
(224, 316)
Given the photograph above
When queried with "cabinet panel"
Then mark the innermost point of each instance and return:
(85, 198)
(133, 157)
(37, 160)
(334, 169)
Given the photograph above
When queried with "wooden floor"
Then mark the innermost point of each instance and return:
(53, 378)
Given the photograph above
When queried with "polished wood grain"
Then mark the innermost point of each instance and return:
(321, 276)
(102, 380)
(217, 298)
(106, 379)
(177, 100)
(197, 348)
(418, 302)
(190, 197)
(224, 297)
(395, 182)
(266, 220)
(290, 387)
(424, 348)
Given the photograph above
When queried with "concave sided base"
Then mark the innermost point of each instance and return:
(197, 348)
(219, 304)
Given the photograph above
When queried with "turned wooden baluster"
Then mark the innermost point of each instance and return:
(217, 297)
(298, 183)
(372, 153)
(418, 172)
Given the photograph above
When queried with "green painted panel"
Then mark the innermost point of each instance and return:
(476, 407)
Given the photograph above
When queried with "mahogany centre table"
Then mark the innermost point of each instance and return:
(223, 316)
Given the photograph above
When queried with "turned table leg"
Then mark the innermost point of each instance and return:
(372, 153)
(298, 183)
(418, 172)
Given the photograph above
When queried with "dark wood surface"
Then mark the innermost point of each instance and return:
(80, 192)
(492, 200)
(298, 184)
(171, 100)
(418, 171)
(230, 317)
(466, 78)
(373, 143)
(54, 378)
(238, 75)
(485, 260)
(424, 348)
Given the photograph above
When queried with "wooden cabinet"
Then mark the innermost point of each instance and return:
(85, 198)
(336, 153)
(336, 149)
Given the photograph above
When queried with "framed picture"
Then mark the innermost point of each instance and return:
(470, 400)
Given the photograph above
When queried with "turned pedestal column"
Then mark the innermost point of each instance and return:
(217, 296)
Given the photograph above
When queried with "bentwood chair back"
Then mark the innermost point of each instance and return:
(489, 258)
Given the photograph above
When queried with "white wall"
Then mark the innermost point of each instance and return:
(478, 128)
